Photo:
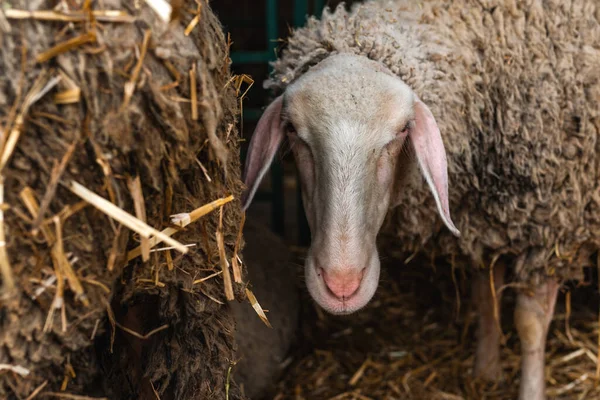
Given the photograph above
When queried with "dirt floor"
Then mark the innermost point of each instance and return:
(416, 341)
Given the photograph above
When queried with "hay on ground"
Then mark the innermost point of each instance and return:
(410, 343)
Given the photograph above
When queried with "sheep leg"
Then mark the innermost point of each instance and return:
(533, 315)
(487, 355)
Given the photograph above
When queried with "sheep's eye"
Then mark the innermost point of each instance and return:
(290, 130)
(406, 128)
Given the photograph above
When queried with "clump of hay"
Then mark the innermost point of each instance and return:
(112, 120)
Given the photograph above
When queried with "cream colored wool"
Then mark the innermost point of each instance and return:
(515, 89)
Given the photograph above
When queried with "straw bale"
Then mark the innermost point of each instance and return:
(96, 100)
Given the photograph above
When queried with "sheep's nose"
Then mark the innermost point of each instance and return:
(342, 284)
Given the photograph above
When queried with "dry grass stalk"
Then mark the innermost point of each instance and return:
(60, 260)
(179, 99)
(55, 175)
(70, 396)
(58, 301)
(37, 391)
(169, 86)
(162, 8)
(174, 72)
(139, 335)
(209, 296)
(238, 81)
(194, 20)
(223, 259)
(568, 315)
(151, 281)
(88, 37)
(259, 310)
(8, 281)
(207, 277)
(359, 373)
(157, 268)
(193, 92)
(68, 96)
(154, 391)
(106, 169)
(28, 198)
(204, 171)
(448, 396)
(170, 248)
(430, 378)
(95, 330)
(228, 133)
(182, 220)
(69, 374)
(45, 284)
(96, 283)
(69, 16)
(568, 357)
(169, 259)
(114, 250)
(135, 187)
(569, 387)
(130, 85)
(67, 212)
(62, 266)
(122, 216)
(53, 117)
(237, 270)
(17, 369)
(113, 324)
(227, 382)
(43, 84)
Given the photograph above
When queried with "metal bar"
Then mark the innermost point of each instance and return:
(271, 15)
(251, 57)
(319, 6)
(252, 114)
(300, 12)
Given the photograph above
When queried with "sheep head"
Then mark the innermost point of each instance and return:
(347, 120)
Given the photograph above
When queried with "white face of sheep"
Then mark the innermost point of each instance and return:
(347, 120)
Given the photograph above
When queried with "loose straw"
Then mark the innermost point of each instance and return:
(123, 217)
(181, 220)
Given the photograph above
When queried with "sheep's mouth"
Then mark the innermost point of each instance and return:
(335, 305)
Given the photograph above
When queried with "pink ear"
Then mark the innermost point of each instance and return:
(264, 144)
(429, 148)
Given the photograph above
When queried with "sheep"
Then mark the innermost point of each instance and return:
(486, 112)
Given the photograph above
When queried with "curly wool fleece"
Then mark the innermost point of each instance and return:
(515, 88)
